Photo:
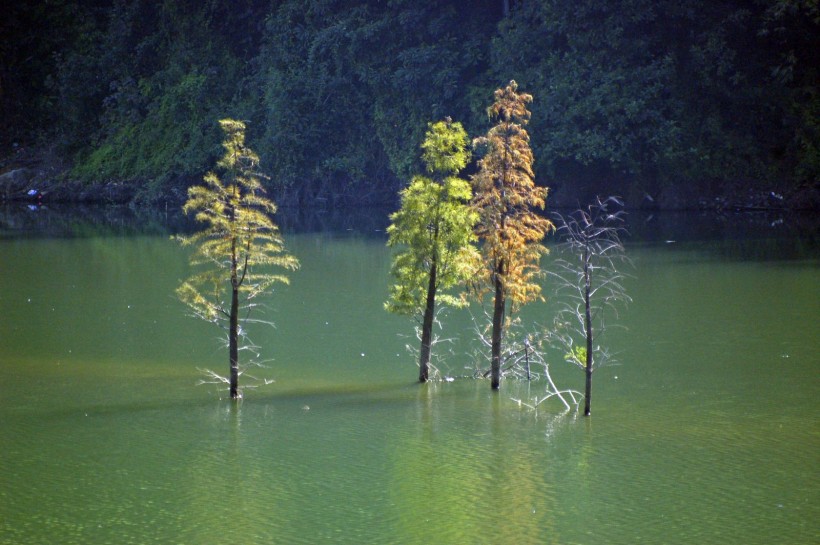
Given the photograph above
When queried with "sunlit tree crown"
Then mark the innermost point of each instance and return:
(445, 148)
(434, 224)
(238, 232)
(505, 196)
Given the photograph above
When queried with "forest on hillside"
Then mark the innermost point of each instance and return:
(669, 103)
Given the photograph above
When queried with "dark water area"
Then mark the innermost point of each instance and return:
(706, 432)
(19, 219)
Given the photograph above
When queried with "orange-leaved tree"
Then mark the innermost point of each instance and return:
(505, 196)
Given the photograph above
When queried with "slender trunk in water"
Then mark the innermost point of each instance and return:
(233, 343)
(588, 331)
(233, 330)
(427, 326)
(498, 325)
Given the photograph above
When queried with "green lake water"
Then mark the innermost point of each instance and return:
(707, 432)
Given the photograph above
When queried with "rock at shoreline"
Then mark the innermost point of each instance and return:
(14, 183)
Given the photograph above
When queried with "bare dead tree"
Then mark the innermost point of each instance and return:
(589, 284)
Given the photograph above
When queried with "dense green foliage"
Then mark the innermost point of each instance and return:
(671, 97)
(677, 101)
(237, 246)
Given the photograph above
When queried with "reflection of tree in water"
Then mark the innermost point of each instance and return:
(228, 493)
(769, 235)
(477, 481)
(19, 220)
(364, 221)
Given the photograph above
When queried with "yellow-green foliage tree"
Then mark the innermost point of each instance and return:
(435, 226)
(505, 195)
(237, 247)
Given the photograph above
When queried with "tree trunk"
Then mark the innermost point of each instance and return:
(427, 326)
(498, 326)
(588, 331)
(233, 342)
(233, 329)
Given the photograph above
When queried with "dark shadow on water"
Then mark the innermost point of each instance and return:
(738, 236)
(361, 221)
(20, 220)
(721, 226)
(764, 236)
(83, 221)
(341, 394)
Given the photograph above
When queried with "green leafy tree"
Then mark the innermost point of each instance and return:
(128, 89)
(435, 224)
(315, 63)
(505, 195)
(237, 246)
(364, 78)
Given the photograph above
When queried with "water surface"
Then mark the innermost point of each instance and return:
(706, 433)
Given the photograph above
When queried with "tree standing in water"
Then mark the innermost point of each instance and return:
(435, 226)
(237, 246)
(505, 195)
(589, 282)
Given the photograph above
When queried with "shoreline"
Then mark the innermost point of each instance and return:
(41, 177)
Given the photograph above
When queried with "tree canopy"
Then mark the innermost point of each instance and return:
(506, 198)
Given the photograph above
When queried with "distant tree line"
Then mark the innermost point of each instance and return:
(666, 102)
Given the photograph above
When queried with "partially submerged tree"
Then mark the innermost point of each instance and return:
(237, 246)
(589, 283)
(505, 195)
(435, 225)
(525, 358)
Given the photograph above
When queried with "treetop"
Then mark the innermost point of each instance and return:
(510, 106)
(445, 148)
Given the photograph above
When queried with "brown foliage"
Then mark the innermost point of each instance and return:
(505, 196)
